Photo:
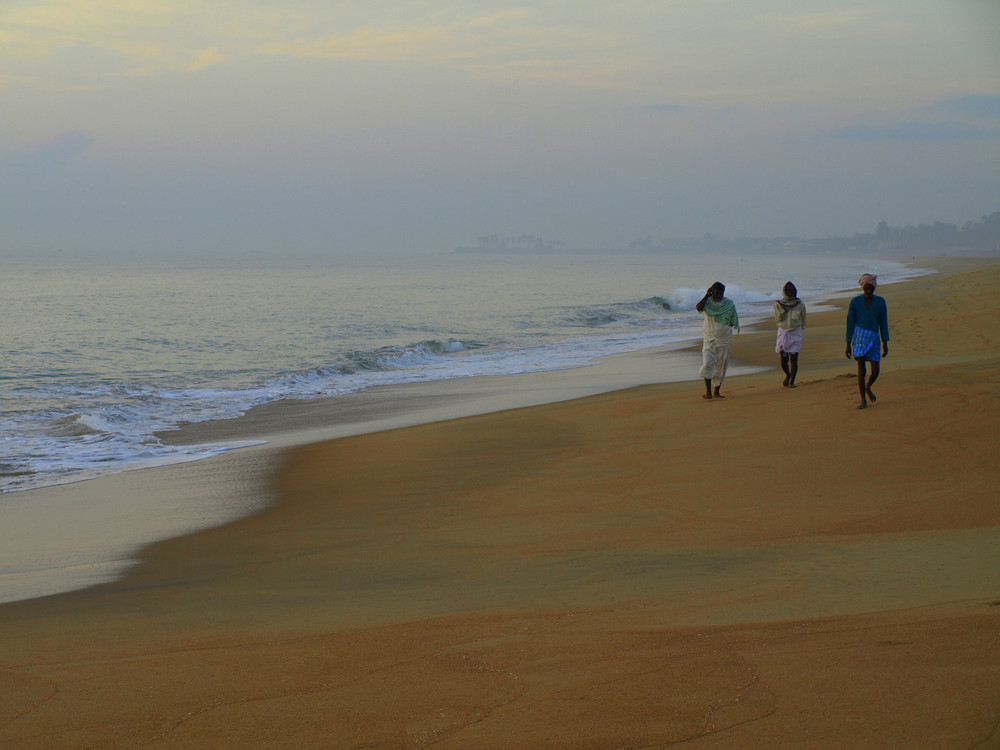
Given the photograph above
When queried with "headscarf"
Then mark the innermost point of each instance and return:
(868, 278)
(724, 310)
(786, 302)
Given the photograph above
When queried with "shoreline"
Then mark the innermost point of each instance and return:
(129, 423)
(638, 567)
(113, 543)
(91, 541)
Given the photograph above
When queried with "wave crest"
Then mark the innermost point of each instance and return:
(407, 355)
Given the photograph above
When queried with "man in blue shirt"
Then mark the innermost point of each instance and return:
(867, 326)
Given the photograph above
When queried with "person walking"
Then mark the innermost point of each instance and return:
(790, 315)
(867, 327)
(721, 320)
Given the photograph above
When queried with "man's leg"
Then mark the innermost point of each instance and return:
(875, 371)
(862, 387)
(709, 365)
(784, 369)
(793, 368)
(720, 370)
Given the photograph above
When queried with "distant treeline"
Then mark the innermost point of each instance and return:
(974, 237)
(981, 236)
(520, 242)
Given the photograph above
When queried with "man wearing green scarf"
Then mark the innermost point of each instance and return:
(721, 321)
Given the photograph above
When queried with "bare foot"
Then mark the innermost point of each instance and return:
(792, 385)
(871, 396)
(707, 396)
(863, 405)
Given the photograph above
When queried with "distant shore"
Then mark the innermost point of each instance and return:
(632, 567)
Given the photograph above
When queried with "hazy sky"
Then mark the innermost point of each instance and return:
(320, 125)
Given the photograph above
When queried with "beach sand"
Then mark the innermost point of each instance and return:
(636, 568)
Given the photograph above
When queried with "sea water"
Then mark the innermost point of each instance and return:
(100, 357)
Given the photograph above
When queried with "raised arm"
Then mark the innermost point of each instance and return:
(700, 306)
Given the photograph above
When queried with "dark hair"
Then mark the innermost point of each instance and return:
(720, 286)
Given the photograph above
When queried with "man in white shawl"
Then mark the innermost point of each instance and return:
(790, 315)
(721, 321)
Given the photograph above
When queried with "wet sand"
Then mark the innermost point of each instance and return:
(636, 568)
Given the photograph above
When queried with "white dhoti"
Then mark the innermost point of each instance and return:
(789, 341)
(715, 350)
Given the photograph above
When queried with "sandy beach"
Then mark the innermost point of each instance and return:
(634, 568)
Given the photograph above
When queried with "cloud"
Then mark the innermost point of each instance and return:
(46, 157)
(206, 58)
(156, 37)
(957, 119)
(371, 43)
(662, 108)
(804, 20)
(928, 132)
(45, 42)
(982, 106)
(424, 39)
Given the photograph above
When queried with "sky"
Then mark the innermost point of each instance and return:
(322, 126)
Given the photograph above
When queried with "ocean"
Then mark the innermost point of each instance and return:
(103, 357)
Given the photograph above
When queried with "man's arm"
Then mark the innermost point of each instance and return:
(700, 306)
(883, 325)
(850, 328)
